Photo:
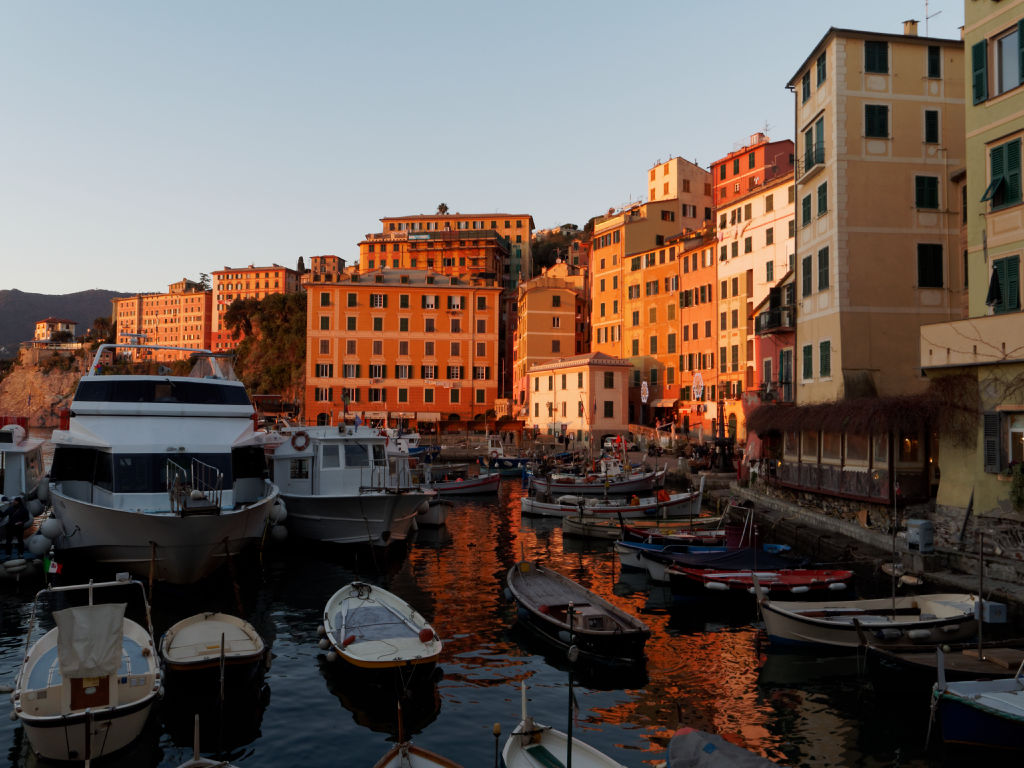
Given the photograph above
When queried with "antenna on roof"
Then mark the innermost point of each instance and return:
(928, 16)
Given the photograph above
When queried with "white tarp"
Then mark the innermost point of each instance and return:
(89, 639)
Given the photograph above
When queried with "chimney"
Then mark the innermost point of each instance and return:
(910, 27)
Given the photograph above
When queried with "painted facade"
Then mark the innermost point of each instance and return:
(179, 318)
(249, 282)
(46, 328)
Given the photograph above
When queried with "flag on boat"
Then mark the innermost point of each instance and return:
(52, 566)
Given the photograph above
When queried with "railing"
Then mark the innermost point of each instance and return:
(780, 319)
(776, 392)
(183, 485)
(810, 160)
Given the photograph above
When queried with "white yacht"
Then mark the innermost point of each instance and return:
(160, 474)
(336, 484)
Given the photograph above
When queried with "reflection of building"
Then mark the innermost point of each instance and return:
(252, 282)
(179, 318)
(879, 121)
(579, 395)
(552, 323)
(756, 232)
(45, 329)
(411, 344)
(979, 361)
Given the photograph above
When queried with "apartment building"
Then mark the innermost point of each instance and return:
(407, 344)
(553, 322)
(179, 318)
(879, 125)
(249, 282)
(978, 362)
(322, 269)
(495, 244)
(579, 396)
(46, 328)
(756, 232)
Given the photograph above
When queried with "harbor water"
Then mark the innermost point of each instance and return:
(706, 668)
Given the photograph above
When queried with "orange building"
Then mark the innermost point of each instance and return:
(179, 318)
(322, 269)
(698, 310)
(407, 344)
(515, 229)
(250, 282)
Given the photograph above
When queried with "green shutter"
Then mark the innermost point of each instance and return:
(991, 458)
(1020, 51)
(1012, 172)
(808, 361)
(385, 301)
(979, 71)
(1008, 272)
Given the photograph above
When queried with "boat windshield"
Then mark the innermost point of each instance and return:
(153, 390)
(213, 367)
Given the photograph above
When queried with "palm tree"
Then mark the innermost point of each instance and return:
(442, 209)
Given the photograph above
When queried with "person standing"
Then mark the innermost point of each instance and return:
(17, 518)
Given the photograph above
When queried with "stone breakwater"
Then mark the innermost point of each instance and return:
(37, 394)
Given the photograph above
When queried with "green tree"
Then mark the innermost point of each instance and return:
(204, 281)
(103, 329)
(271, 357)
(442, 209)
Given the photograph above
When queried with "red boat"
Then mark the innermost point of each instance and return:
(690, 582)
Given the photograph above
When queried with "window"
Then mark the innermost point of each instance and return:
(805, 276)
(350, 371)
(324, 370)
(823, 269)
(428, 349)
(376, 395)
(456, 325)
(325, 347)
(876, 121)
(481, 349)
(1007, 272)
(480, 394)
(805, 86)
(454, 372)
(352, 300)
(1004, 165)
(654, 345)
(609, 409)
(635, 347)
(428, 371)
(378, 300)
(748, 244)
(805, 211)
(325, 299)
(428, 325)
(403, 324)
(929, 265)
(769, 271)
(378, 324)
(556, 322)
(825, 359)
(821, 69)
(876, 57)
(403, 301)
(378, 347)
(979, 71)
(455, 349)
(1007, 61)
(934, 61)
(481, 302)
(403, 371)
(808, 371)
(325, 323)
(428, 395)
(453, 396)
(556, 345)
(735, 318)
(822, 198)
(931, 126)
(403, 395)
(926, 192)
(769, 236)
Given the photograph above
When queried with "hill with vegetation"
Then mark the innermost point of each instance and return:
(20, 311)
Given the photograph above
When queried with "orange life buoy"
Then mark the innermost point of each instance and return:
(300, 440)
(494, 454)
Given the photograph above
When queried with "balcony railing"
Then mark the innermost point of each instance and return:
(811, 159)
(774, 320)
(776, 392)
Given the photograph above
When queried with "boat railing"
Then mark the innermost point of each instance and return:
(200, 481)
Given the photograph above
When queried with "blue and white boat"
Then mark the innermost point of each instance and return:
(982, 713)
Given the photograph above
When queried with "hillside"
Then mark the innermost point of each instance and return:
(19, 312)
(39, 392)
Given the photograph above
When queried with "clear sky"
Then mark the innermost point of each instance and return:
(142, 142)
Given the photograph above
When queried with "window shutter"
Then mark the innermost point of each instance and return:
(385, 301)
(487, 372)
(383, 371)
(1020, 50)
(991, 458)
(423, 301)
(979, 71)
(462, 372)
(1012, 172)
(1012, 282)
(357, 370)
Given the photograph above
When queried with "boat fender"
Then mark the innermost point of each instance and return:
(300, 440)
(947, 628)
(278, 511)
(17, 565)
(799, 590)
(38, 544)
(426, 635)
(279, 533)
(332, 657)
(543, 608)
(837, 586)
(564, 636)
(348, 641)
(591, 478)
(888, 634)
(43, 489)
(324, 643)
(321, 630)
(35, 507)
(51, 528)
(717, 586)
(918, 634)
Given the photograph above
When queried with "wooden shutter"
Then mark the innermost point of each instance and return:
(1012, 172)
(385, 301)
(991, 458)
(979, 71)
(383, 371)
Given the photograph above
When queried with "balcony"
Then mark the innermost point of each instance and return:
(778, 320)
(776, 392)
(812, 158)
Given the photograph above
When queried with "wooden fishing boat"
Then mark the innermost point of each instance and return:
(692, 748)
(598, 483)
(566, 613)
(86, 688)
(656, 558)
(207, 641)
(661, 506)
(983, 713)
(485, 482)
(408, 755)
(912, 669)
(372, 629)
(531, 744)
(740, 583)
(922, 619)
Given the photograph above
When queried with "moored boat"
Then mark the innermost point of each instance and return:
(86, 687)
(664, 505)
(469, 485)
(911, 670)
(567, 613)
(372, 629)
(209, 641)
(162, 475)
(923, 619)
(983, 713)
(408, 755)
(627, 481)
(782, 581)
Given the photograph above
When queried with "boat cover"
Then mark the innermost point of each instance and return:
(375, 622)
(89, 639)
(691, 748)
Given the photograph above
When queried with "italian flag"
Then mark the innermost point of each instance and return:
(52, 566)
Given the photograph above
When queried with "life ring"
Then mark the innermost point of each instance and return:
(300, 440)
(494, 454)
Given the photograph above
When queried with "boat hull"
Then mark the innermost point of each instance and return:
(377, 517)
(109, 731)
(510, 466)
(983, 714)
(682, 505)
(178, 549)
(632, 484)
(531, 745)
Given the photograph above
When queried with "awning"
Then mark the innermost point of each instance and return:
(425, 416)
(664, 402)
(375, 414)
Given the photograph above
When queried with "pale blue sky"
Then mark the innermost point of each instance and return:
(142, 142)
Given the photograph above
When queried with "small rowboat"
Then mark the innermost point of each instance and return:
(660, 507)
(408, 755)
(982, 713)
(786, 581)
(625, 482)
(372, 629)
(485, 482)
(202, 641)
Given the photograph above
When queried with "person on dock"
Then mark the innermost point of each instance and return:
(17, 518)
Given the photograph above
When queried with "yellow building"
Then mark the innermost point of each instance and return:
(978, 362)
(580, 396)
(553, 323)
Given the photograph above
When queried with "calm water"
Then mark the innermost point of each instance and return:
(703, 670)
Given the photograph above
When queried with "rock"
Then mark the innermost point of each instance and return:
(29, 391)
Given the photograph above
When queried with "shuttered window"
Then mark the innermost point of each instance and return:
(992, 458)
(1008, 273)
(979, 71)
(1004, 173)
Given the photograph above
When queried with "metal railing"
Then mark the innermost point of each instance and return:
(183, 485)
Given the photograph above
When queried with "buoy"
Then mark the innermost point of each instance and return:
(332, 657)
(51, 528)
(300, 440)
(43, 489)
(321, 630)
(426, 635)
(717, 586)
(35, 507)
(278, 511)
(279, 533)
(17, 565)
(799, 590)
(38, 544)
(918, 634)
(324, 643)
(837, 586)
(348, 641)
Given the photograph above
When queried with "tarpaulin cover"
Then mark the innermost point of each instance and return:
(89, 639)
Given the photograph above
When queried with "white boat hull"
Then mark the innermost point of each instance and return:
(679, 506)
(187, 548)
(377, 517)
(63, 738)
(599, 485)
(528, 739)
